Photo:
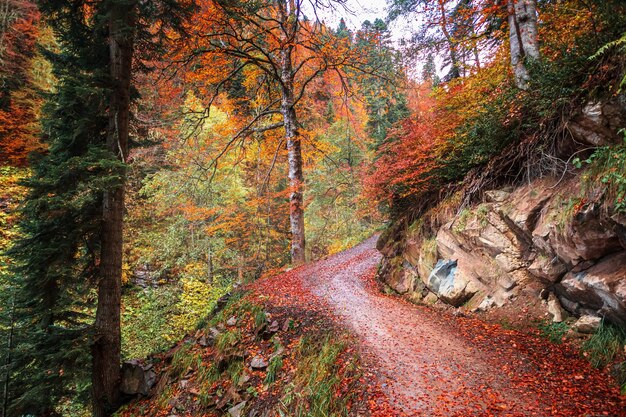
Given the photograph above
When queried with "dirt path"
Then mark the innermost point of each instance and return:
(430, 363)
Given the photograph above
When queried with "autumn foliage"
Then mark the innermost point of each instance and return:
(460, 124)
(19, 100)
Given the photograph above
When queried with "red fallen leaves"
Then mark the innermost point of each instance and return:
(427, 362)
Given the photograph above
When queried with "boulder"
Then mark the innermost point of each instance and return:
(449, 284)
(137, 378)
(555, 309)
(547, 268)
(600, 288)
(597, 123)
(587, 324)
(237, 410)
(496, 196)
(258, 363)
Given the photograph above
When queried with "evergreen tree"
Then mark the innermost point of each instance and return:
(429, 71)
(386, 103)
(69, 261)
(58, 257)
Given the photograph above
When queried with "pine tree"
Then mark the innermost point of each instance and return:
(386, 103)
(69, 261)
(58, 257)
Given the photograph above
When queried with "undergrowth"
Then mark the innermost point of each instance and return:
(312, 393)
(604, 346)
(607, 166)
(553, 331)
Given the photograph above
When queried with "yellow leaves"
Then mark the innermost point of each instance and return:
(562, 24)
(196, 299)
(12, 195)
(127, 273)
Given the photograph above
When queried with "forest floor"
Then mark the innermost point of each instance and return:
(430, 362)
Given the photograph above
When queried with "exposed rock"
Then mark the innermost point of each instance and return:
(401, 279)
(549, 269)
(509, 263)
(231, 321)
(532, 240)
(601, 288)
(587, 324)
(496, 196)
(555, 309)
(449, 284)
(258, 363)
(525, 206)
(137, 378)
(430, 298)
(274, 327)
(587, 236)
(486, 304)
(598, 123)
(237, 411)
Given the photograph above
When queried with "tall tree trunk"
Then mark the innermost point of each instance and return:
(7, 363)
(294, 150)
(296, 177)
(523, 38)
(106, 349)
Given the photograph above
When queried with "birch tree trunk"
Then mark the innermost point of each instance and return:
(523, 38)
(106, 349)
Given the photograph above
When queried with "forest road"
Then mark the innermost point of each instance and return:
(430, 362)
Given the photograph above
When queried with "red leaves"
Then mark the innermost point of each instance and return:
(423, 361)
(19, 102)
(408, 161)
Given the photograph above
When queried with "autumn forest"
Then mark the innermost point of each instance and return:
(244, 207)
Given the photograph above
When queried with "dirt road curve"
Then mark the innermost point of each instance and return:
(431, 363)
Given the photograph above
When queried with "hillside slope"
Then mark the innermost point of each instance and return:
(420, 360)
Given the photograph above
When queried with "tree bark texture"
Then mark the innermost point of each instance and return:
(523, 38)
(296, 177)
(294, 146)
(106, 349)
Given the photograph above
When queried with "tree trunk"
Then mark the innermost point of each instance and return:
(294, 157)
(106, 349)
(523, 38)
(7, 363)
(296, 177)
(455, 70)
(209, 262)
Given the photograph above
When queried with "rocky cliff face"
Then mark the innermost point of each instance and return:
(553, 238)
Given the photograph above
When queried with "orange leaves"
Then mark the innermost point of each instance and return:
(408, 159)
(562, 24)
(19, 102)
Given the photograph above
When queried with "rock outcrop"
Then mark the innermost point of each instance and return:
(137, 378)
(549, 235)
